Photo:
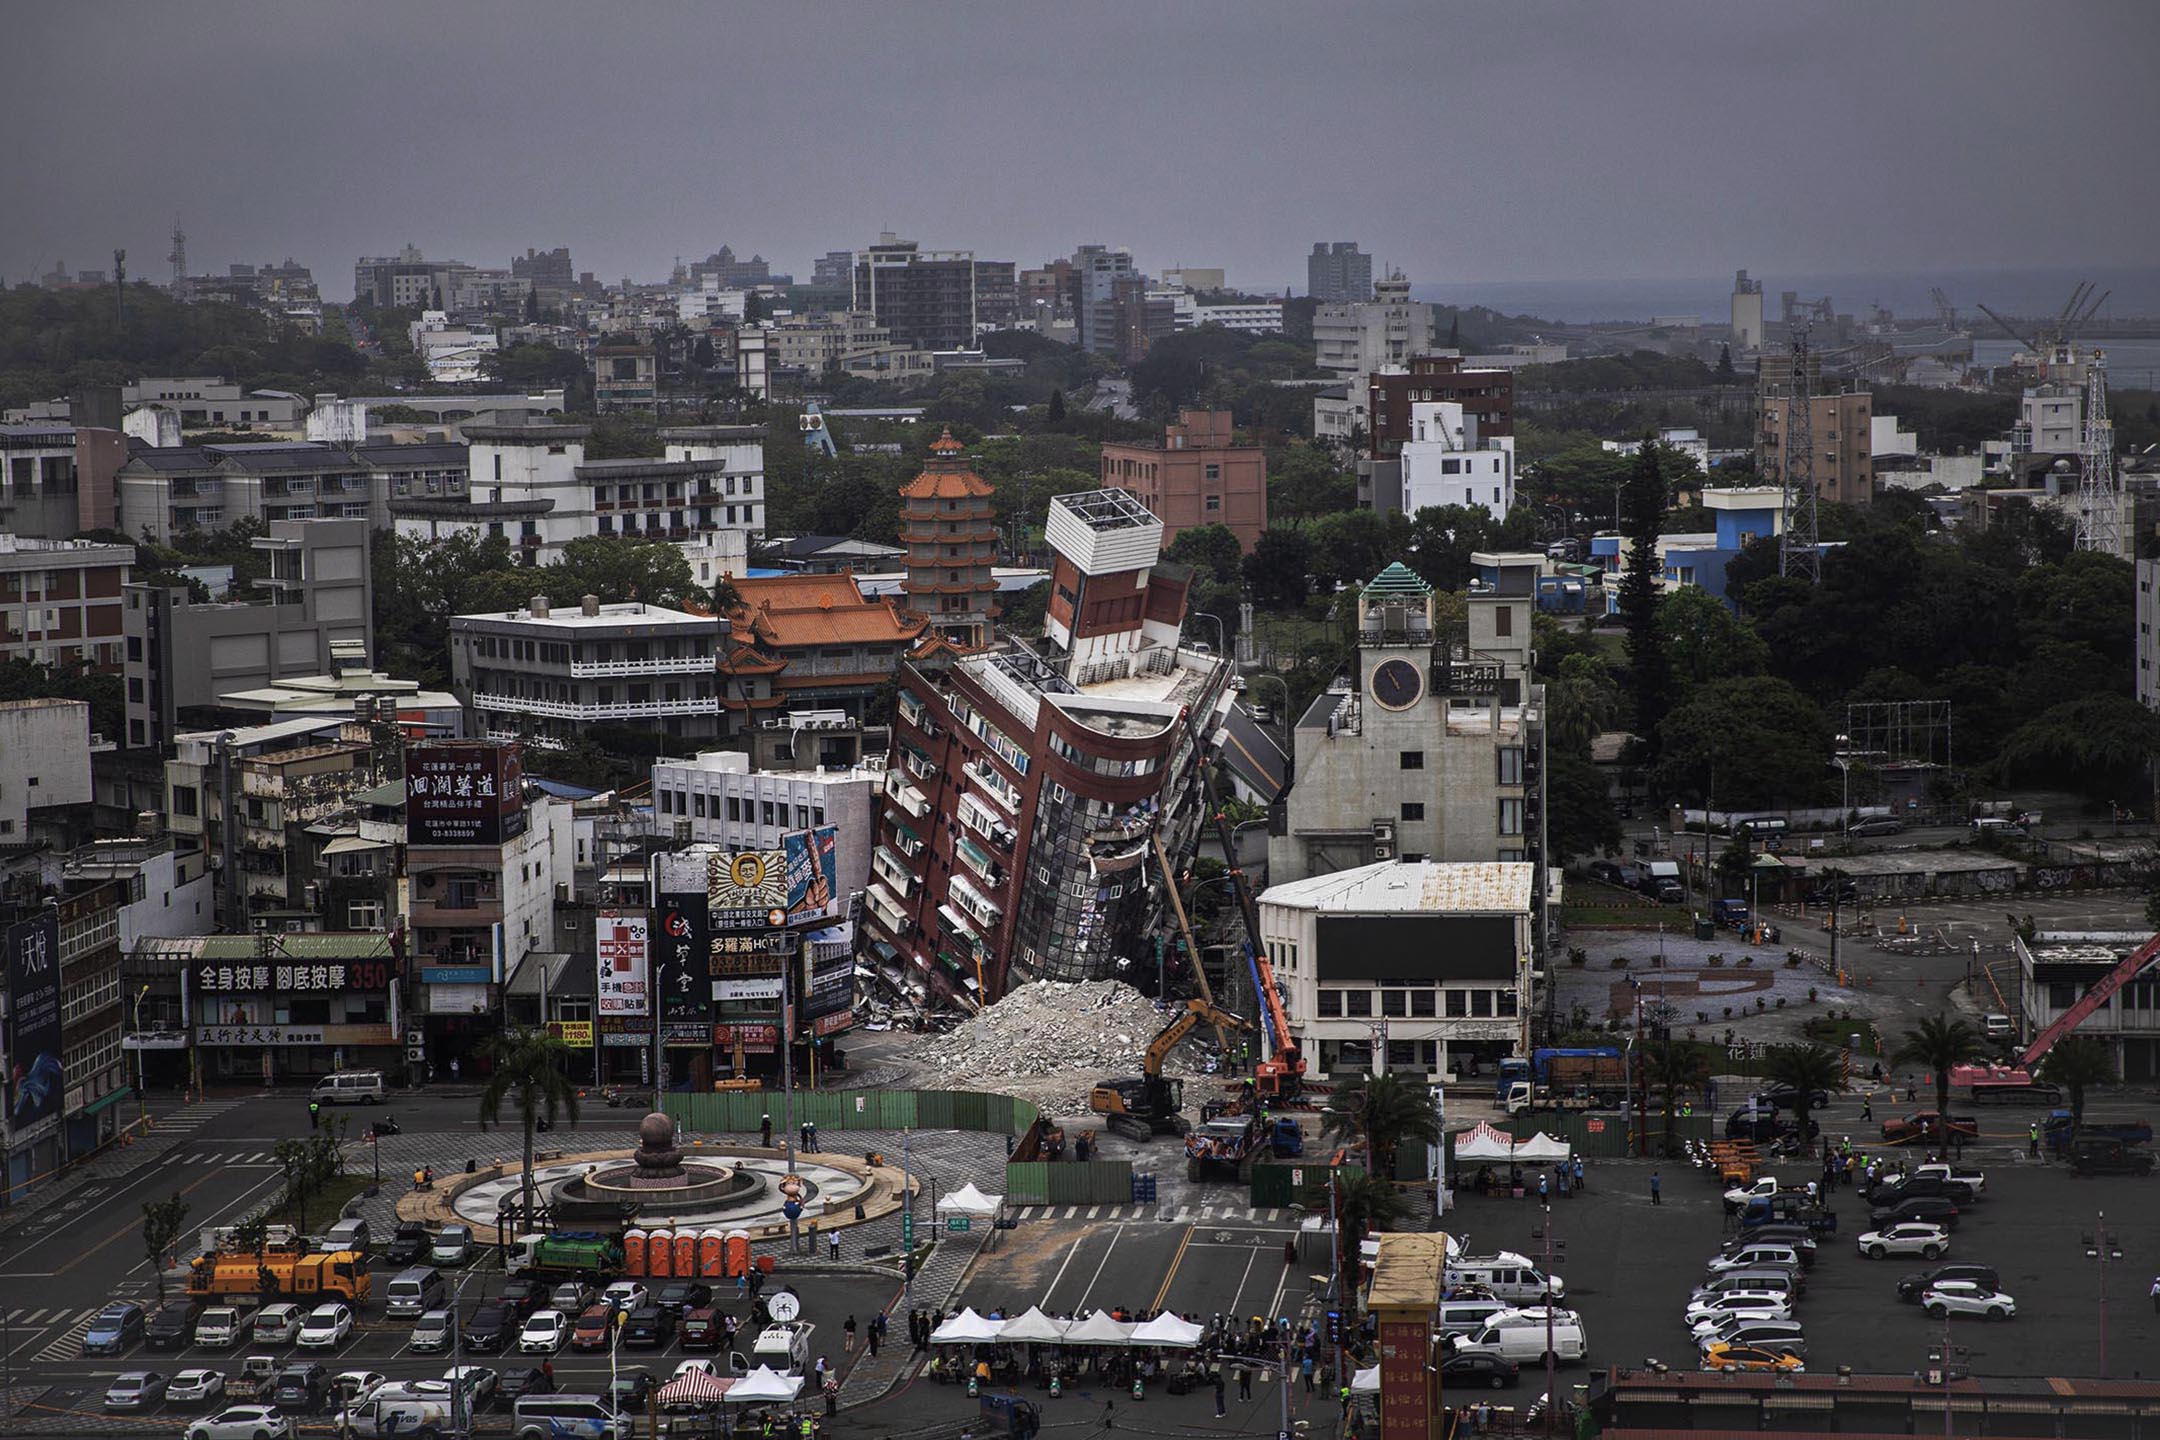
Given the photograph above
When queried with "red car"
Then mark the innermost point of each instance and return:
(1929, 1125)
(701, 1328)
(595, 1328)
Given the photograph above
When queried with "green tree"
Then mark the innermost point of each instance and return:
(1649, 669)
(1939, 1045)
(1804, 1069)
(297, 1161)
(1306, 482)
(526, 1070)
(1673, 1068)
(1212, 550)
(2096, 745)
(163, 1220)
(1747, 744)
(1442, 539)
(1705, 641)
(701, 354)
(1733, 863)
(1580, 818)
(1363, 1204)
(1054, 413)
(1383, 1113)
(1582, 702)
(1279, 570)
(1725, 372)
(2077, 1063)
(1351, 546)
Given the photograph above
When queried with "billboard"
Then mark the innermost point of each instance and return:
(35, 1078)
(798, 881)
(813, 872)
(679, 965)
(624, 985)
(463, 793)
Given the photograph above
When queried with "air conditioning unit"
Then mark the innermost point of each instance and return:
(1382, 850)
(1383, 832)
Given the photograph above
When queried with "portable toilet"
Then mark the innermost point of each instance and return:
(633, 1244)
(711, 1255)
(686, 1247)
(738, 1253)
(659, 1253)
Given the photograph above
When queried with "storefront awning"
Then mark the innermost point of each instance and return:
(109, 1099)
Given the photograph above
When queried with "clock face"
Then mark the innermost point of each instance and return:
(1397, 685)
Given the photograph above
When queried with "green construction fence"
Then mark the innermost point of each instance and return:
(1068, 1182)
(741, 1111)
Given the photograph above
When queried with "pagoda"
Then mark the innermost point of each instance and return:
(951, 538)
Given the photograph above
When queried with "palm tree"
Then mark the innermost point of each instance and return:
(1384, 1112)
(526, 1070)
(1671, 1067)
(1363, 1203)
(2076, 1063)
(1940, 1045)
(1804, 1069)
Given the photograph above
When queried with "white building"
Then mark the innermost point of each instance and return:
(453, 354)
(1254, 318)
(1686, 440)
(1446, 462)
(718, 799)
(1424, 962)
(169, 889)
(544, 673)
(1355, 339)
(2056, 969)
(1747, 312)
(44, 761)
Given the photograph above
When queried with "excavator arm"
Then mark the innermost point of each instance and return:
(2090, 1001)
(1195, 1014)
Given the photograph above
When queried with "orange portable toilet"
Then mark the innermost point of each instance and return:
(686, 1252)
(711, 1256)
(738, 1253)
(633, 1245)
(659, 1254)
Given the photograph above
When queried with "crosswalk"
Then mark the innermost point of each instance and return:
(236, 1158)
(71, 1324)
(186, 1121)
(1164, 1214)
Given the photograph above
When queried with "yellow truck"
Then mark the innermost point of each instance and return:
(342, 1274)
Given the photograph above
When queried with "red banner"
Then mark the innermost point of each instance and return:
(1405, 1398)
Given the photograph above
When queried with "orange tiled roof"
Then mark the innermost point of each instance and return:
(946, 476)
(790, 611)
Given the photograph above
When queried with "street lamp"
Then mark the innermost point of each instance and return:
(1222, 644)
(2101, 1247)
(139, 997)
(1843, 760)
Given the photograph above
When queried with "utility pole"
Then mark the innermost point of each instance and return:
(2101, 1246)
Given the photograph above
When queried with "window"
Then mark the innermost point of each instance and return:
(1511, 765)
(1413, 810)
(1511, 817)
(1214, 472)
(1481, 1004)
(1413, 759)
(1504, 1002)
(1395, 1004)
(1331, 1004)
(1214, 504)
(1357, 1004)
(1421, 1004)
(734, 807)
(183, 800)
(1503, 615)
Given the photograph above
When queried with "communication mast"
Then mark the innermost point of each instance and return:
(1798, 553)
(119, 287)
(2099, 513)
(178, 258)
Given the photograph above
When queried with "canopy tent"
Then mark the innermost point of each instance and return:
(1167, 1329)
(695, 1385)
(967, 1328)
(1365, 1382)
(1100, 1329)
(1543, 1147)
(968, 1200)
(1483, 1141)
(764, 1384)
(1033, 1326)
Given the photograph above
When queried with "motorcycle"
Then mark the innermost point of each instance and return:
(386, 1126)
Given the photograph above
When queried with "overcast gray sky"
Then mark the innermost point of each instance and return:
(1512, 140)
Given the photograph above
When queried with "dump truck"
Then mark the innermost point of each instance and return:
(1592, 1075)
(2061, 1133)
(342, 1274)
(1230, 1142)
(565, 1254)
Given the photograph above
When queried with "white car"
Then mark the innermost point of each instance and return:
(325, 1328)
(1760, 1304)
(1739, 1195)
(1911, 1237)
(242, 1422)
(626, 1295)
(1967, 1297)
(196, 1387)
(221, 1326)
(350, 1385)
(544, 1333)
(478, 1380)
(277, 1324)
(696, 1366)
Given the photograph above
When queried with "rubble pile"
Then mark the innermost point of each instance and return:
(1049, 1041)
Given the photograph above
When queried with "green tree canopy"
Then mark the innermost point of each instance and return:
(1279, 570)
(2096, 745)
(1705, 641)
(1212, 550)
(1746, 744)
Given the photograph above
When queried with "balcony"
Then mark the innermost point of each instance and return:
(893, 871)
(906, 796)
(978, 860)
(979, 907)
(993, 784)
(986, 822)
(887, 910)
(618, 710)
(668, 665)
(957, 924)
(905, 840)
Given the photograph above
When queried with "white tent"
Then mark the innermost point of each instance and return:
(1484, 1142)
(1033, 1326)
(1543, 1147)
(968, 1200)
(764, 1385)
(1167, 1329)
(966, 1328)
(1100, 1329)
(1365, 1382)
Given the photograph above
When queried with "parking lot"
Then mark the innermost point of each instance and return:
(1629, 1266)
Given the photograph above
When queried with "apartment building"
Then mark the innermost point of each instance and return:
(63, 1032)
(1841, 432)
(1487, 396)
(807, 642)
(626, 377)
(926, 298)
(1353, 339)
(210, 402)
(548, 672)
(278, 1007)
(435, 470)
(1197, 476)
(718, 799)
(1031, 785)
(39, 494)
(1338, 273)
(44, 763)
(1096, 271)
(165, 492)
(1448, 461)
(60, 601)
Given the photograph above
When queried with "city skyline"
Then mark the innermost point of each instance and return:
(1651, 141)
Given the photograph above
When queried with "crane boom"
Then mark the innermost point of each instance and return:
(1192, 951)
(2102, 991)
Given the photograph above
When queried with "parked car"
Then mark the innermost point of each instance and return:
(594, 1328)
(1931, 1209)
(1911, 1287)
(520, 1381)
(277, 1324)
(326, 1327)
(1801, 1241)
(196, 1387)
(431, 1333)
(1966, 1297)
(408, 1244)
(679, 1295)
(701, 1328)
(1759, 1304)
(1928, 1125)
(1728, 1357)
(113, 1329)
(571, 1296)
(301, 1387)
(242, 1422)
(1971, 1179)
(1785, 1097)
(648, 1328)
(1876, 825)
(489, 1327)
(170, 1325)
(522, 1295)
(1911, 1238)
(453, 1245)
(628, 1390)
(1844, 892)
(222, 1326)
(1476, 1367)
(1770, 1334)
(478, 1380)
(135, 1390)
(544, 1333)
(1913, 1187)
(348, 1386)
(625, 1294)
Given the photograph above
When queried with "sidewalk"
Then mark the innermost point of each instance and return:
(170, 1128)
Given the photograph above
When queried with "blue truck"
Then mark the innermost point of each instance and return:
(1559, 1073)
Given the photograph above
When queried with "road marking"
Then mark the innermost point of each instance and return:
(1095, 1212)
(1070, 1251)
(1115, 1236)
(1170, 1274)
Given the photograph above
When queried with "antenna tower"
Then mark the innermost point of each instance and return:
(119, 287)
(178, 258)
(2099, 512)
(1798, 553)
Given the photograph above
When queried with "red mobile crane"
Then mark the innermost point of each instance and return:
(2089, 1002)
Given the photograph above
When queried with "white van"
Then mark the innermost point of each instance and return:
(1466, 1317)
(785, 1348)
(1523, 1339)
(585, 1417)
(1507, 1276)
(415, 1292)
(421, 1408)
(350, 1087)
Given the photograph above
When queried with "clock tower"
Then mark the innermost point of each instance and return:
(1395, 639)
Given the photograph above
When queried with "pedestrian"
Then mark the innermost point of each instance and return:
(1655, 1198)
(813, 1137)
(1579, 1173)
(847, 1332)
(1812, 1193)
(832, 1245)
(453, 1069)
(547, 1369)
(1876, 1073)
(1867, 1106)
(802, 1136)
(2156, 1294)
(821, 1370)
(1542, 1193)
(1342, 1394)
(832, 1395)
(873, 1334)
(764, 1132)
(314, 1113)
(1219, 1410)
(2032, 1139)
(1244, 1382)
